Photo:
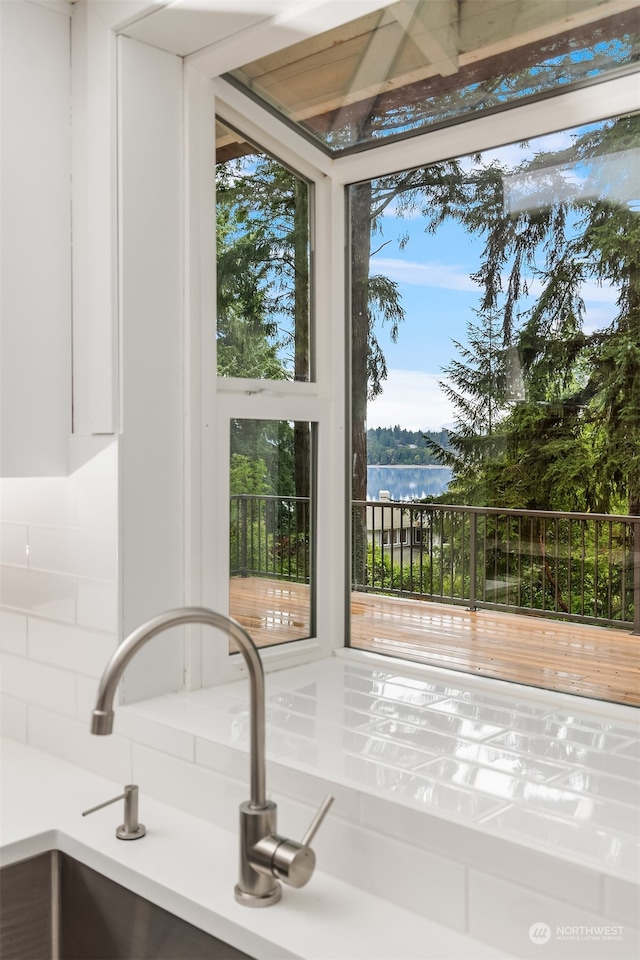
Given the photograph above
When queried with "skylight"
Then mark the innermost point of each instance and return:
(417, 64)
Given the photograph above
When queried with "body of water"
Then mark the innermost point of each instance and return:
(407, 483)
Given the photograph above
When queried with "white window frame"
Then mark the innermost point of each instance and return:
(211, 402)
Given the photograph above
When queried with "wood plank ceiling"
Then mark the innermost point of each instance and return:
(418, 49)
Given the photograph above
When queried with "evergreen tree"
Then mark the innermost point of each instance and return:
(574, 443)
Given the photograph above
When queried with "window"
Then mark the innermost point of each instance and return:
(495, 305)
(263, 264)
(265, 410)
(511, 307)
(271, 586)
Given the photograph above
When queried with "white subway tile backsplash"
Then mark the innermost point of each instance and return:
(386, 751)
(37, 683)
(568, 721)
(423, 793)
(96, 492)
(98, 605)
(72, 740)
(622, 901)
(160, 736)
(631, 749)
(100, 467)
(97, 509)
(527, 924)
(224, 759)
(602, 786)
(14, 544)
(479, 710)
(536, 767)
(584, 842)
(203, 793)
(79, 554)
(86, 693)
(403, 873)
(283, 781)
(567, 752)
(413, 826)
(13, 633)
(39, 500)
(70, 647)
(472, 847)
(13, 718)
(43, 594)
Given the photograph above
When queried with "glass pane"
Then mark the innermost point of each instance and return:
(263, 263)
(271, 588)
(496, 411)
(413, 64)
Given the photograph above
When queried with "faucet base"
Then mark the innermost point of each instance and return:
(255, 899)
(256, 888)
(124, 833)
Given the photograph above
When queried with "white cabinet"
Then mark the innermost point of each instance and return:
(36, 326)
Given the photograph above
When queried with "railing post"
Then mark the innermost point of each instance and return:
(243, 551)
(636, 577)
(473, 559)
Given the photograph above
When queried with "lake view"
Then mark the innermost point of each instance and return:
(407, 483)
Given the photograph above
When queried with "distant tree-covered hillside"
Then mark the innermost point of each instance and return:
(394, 445)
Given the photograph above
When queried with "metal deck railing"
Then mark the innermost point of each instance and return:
(572, 566)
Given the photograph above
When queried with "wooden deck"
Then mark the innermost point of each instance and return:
(572, 658)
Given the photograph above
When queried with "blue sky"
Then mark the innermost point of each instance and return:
(438, 296)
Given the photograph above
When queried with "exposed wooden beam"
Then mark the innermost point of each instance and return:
(372, 70)
(438, 38)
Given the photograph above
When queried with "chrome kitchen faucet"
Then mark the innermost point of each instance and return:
(265, 856)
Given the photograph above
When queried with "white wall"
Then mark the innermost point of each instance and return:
(151, 337)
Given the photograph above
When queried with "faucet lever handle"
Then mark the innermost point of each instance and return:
(289, 860)
(314, 826)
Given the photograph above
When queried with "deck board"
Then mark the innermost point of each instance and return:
(587, 660)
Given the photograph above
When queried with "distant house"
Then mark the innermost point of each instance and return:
(396, 529)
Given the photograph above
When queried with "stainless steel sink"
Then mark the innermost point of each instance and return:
(52, 907)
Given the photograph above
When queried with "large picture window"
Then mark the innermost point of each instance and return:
(496, 347)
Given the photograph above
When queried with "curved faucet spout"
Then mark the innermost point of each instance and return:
(102, 718)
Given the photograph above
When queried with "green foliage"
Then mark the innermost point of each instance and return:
(248, 475)
(569, 439)
(262, 457)
(383, 307)
(262, 264)
(395, 445)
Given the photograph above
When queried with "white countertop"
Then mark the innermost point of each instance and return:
(188, 866)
